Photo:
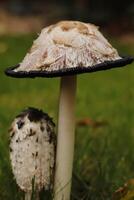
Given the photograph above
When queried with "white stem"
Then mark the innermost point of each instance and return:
(65, 139)
(28, 196)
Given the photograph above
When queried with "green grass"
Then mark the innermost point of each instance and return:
(104, 156)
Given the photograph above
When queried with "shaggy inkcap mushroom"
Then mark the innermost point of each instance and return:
(32, 150)
(64, 50)
(67, 48)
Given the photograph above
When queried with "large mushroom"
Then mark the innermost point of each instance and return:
(64, 50)
(32, 151)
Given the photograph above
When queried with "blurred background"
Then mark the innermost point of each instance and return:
(104, 150)
(117, 16)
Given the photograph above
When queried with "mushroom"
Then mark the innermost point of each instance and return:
(32, 151)
(64, 50)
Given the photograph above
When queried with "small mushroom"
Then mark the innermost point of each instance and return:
(32, 151)
(64, 50)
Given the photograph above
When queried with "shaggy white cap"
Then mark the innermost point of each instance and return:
(32, 150)
(68, 44)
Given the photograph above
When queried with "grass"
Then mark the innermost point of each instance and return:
(104, 156)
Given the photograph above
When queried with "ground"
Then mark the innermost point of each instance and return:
(104, 153)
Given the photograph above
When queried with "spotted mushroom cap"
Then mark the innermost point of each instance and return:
(66, 48)
(32, 149)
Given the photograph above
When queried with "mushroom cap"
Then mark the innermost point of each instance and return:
(32, 150)
(67, 48)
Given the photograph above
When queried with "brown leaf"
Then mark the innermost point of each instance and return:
(91, 122)
(126, 192)
(121, 192)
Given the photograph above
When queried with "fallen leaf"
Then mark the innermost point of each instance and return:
(126, 192)
(91, 122)
(121, 192)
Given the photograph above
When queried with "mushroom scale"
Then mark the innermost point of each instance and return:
(32, 150)
(68, 44)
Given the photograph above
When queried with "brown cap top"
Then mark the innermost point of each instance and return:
(67, 48)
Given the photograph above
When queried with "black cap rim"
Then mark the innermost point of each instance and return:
(70, 71)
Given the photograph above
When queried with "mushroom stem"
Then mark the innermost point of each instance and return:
(65, 139)
(28, 196)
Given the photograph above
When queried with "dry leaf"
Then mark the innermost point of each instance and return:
(126, 192)
(91, 122)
